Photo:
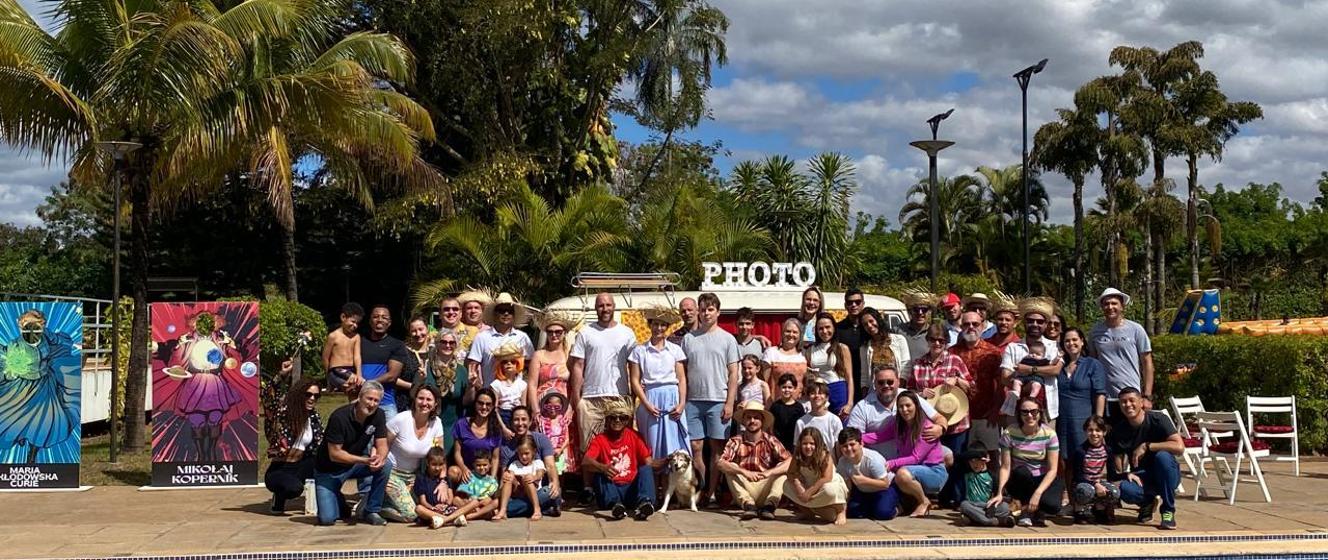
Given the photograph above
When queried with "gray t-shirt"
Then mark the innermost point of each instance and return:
(1119, 349)
(752, 346)
(708, 357)
(604, 351)
(872, 465)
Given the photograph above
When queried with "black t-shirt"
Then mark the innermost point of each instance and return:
(1124, 438)
(849, 333)
(786, 421)
(355, 437)
(380, 352)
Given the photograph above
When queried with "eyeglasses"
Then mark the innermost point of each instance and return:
(451, 310)
(1030, 412)
(938, 340)
(447, 343)
(313, 395)
(971, 324)
(1056, 324)
(884, 382)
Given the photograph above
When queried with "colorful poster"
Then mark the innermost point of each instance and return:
(204, 394)
(41, 360)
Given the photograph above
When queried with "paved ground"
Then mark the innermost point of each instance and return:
(121, 521)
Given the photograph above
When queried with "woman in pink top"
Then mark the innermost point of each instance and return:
(920, 467)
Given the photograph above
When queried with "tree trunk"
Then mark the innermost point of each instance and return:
(136, 380)
(1192, 219)
(1114, 275)
(663, 147)
(1148, 275)
(1160, 285)
(1079, 251)
(288, 257)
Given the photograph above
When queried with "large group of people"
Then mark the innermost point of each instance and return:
(994, 408)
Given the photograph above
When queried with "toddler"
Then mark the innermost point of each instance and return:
(555, 421)
(527, 473)
(434, 498)
(341, 353)
(479, 490)
(510, 387)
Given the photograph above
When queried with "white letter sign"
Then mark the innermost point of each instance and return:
(733, 276)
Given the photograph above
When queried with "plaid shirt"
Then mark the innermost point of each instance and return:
(929, 374)
(762, 455)
(984, 364)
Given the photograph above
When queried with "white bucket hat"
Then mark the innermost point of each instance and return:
(1113, 292)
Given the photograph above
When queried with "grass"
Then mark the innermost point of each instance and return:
(135, 469)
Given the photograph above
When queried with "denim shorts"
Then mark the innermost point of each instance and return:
(704, 420)
(931, 477)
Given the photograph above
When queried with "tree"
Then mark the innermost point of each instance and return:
(1069, 146)
(959, 199)
(1122, 155)
(995, 234)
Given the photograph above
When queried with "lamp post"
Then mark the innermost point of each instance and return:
(933, 147)
(118, 151)
(1023, 76)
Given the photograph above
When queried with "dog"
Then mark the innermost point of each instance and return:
(682, 480)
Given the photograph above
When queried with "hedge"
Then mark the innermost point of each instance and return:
(1230, 367)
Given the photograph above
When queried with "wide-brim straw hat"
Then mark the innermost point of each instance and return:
(1113, 292)
(916, 298)
(521, 314)
(562, 318)
(1044, 306)
(977, 298)
(767, 419)
(661, 314)
(617, 407)
(950, 402)
(481, 295)
(1002, 303)
(509, 350)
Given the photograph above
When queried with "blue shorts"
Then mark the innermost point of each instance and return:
(931, 477)
(704, 420)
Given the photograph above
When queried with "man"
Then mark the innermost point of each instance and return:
(472, 304)
(1004, 315)
(502, 314)
(599, 370)
(1036, 312)
(919, 305)
(354, 447)
(1123, 348)
(748, 341)
(984, 364)
(623, 470)
(686, 308)
(848, 330)
(950, 305)
(449, 315)
(1148, 443)
(870, 492)
(712, 385)
(979, 302)
(549, 496)
(383, 358)
(755, 464)
(876, 412)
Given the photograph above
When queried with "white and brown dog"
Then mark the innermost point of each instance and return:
(682, 480)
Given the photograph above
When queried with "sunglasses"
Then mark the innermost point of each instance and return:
(555, 332)
(617, 418)
(451, 309)
(938, 340)
(447, 342)
(854, 302)
(504, 311)
(313, 395)
(884, 382)
(1035, 321)
(919, 310)
(1054, 324)
(1030, 412)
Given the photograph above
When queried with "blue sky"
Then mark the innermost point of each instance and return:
(862, 77)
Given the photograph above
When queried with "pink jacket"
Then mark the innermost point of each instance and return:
(915, 452)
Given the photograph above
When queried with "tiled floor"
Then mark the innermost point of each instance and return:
(121, 521)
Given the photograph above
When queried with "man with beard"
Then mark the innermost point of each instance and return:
(599, 371)
(984, 364)
(979, 302)
(754, 464)
(951, 308)
(503, 315)
(919, 305)
(1036, 311)
(1004, 314)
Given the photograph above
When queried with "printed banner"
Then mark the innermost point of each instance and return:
(41, 362)
(204, 394)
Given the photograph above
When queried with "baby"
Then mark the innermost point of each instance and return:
(341, 353)
(1027, 385)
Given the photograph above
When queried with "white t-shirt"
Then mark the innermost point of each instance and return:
(872, 465)
(657, 364)
(870, 415)
(306, 436)
(822, 359)
(828, 424)
(510, 393)
(535, 467)
(605, 353)
(405, 450)
(1017, 351)
(481, 350)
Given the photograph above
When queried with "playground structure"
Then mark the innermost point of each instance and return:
(1201, 313)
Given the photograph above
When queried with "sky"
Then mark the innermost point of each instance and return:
(861, 78)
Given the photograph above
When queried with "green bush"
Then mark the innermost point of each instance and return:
(1230, 367)
(285, 327)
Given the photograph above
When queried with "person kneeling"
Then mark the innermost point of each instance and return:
(623, 470)
(1146, 443)
(871, 494)
(755, 464)
(358, 427)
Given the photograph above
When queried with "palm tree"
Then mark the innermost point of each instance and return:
(959, 199)
(132, 71)
(684, 227)
(832, 184)
(1122, 155)
(1070, 146)
(775, 195)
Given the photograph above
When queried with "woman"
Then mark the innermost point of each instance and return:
(447, 371)
(300, 432)
(1030, 457)
(655, 370)
(549, 496)
(478, 434)
(410, 434)
(787, 357)
(831, 362)
(547, 371)
(419, 342)
(931, 371)
(815, 488)
(813, 304)
(1083, 389)
(883, 348)
(920, 467)
(1056, 325)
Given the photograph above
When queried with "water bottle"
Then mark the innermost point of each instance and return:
(310, 498)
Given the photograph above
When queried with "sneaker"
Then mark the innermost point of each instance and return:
(373, 518)
(644, 511)
(587, 497)
(1007, 521)
(748, 512)
(553, 511)
(1082, 518)
(1039, 520)
(618, 511)
(1168, 520)
(278, 506)
(766, 513)
(1146, 512)
(358, 509)
(436, 523)
(1025, 521)
(461, 521)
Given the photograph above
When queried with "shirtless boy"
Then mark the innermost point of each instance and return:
(341, 354)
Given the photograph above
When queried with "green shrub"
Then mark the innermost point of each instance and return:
(284, 328)
(1230, 367)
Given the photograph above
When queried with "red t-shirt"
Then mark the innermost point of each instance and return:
(623, 455)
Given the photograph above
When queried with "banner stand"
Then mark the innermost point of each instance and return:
(227, 487)
(43, 490)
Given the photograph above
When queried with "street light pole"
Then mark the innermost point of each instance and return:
(934, 147)
(1023, 76)
(117, 151)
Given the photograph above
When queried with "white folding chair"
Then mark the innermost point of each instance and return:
(1275, 405)
(1240, 448)
(1196, 444)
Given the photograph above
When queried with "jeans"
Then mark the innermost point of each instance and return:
(328, 491)
(1023, 483)
(931, 477)
(880, 506)
(520, 506)
(1160, 475)
(632, 494)
(980, 514)
(953, 491)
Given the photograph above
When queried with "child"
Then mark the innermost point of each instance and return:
(528, 473)
(787, 410)
(978, 489)
(1094, 496)
(341, 353)
(748, 341)
(813, 485)
(432, 496)
(509, 383)
(1028, 385)
(479, 491)
(753, 388)
(555, 422)
(826, 424)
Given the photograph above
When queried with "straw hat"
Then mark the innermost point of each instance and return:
(509, 350)
(550, 318)
(521, 314)
(617, 407)
(767, 419)
(475, 294)
(950, 402)
(1002, 303)
(662, 314)
(977, 298)
(1044, 306)
(916, 298)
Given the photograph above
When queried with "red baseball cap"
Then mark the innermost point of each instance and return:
(949, 300)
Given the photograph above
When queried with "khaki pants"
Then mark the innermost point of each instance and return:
(590, 417)
(756, 494)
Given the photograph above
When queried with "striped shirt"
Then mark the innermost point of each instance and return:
(1092, 465)
(1030, 450)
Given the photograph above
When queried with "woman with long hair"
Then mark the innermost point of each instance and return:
(410, 435)
(813, 304)
(815, 488)
(881, 349)
(480, 434)
(446, 369)
(932, 373)
(831, 362)
(920, 467)
(292, 453)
